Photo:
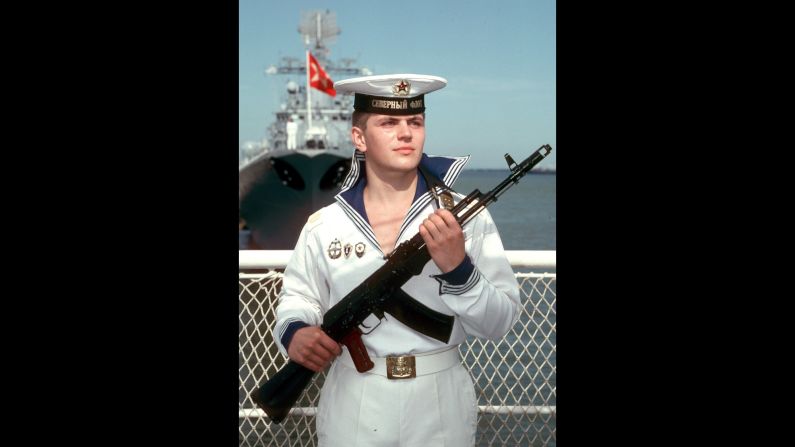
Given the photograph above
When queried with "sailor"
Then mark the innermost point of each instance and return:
(292, 130)
(418, 393)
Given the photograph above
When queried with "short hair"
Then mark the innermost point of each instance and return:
(359, 119)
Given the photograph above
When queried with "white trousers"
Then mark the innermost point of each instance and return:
(369, 410)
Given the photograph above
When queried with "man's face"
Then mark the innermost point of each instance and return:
(391, 143)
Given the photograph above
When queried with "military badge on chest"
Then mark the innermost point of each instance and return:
(336, 249)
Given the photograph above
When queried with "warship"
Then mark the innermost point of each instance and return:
(306, 154)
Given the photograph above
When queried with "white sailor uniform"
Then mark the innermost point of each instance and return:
(336, 251)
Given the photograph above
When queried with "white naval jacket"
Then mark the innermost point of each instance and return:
(485, 304)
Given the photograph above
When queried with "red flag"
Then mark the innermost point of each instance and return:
(318, 77)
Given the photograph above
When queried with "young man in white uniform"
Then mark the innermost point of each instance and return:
(384, 201)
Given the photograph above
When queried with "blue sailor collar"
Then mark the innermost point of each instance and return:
(351, 195)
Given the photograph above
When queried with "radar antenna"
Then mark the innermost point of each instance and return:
(319, 29)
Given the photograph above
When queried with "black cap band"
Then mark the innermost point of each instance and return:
(389, 106)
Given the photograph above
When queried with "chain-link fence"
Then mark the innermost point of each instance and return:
(514, 377)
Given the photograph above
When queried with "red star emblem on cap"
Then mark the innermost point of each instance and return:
(403, 87)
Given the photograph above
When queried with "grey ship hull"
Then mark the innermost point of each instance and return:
(279, 190)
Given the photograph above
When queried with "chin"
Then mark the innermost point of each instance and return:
(409, 162)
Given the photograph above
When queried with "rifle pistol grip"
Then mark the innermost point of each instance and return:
(353, 340)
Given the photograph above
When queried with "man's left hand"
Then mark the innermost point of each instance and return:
(444, 238)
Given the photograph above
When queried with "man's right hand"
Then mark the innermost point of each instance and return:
(312, 348)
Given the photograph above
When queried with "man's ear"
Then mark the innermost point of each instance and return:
(357, 137)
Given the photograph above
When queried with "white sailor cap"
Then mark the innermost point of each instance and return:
(395, 94)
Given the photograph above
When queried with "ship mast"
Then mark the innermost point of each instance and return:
(308, 99)
(317, 27)
(318, 30)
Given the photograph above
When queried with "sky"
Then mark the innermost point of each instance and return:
(498, 57)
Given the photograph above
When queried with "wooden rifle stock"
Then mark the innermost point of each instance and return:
(341, 322)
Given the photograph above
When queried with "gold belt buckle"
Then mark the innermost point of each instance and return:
(400, 367)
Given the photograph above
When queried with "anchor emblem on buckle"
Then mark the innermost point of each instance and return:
(400, 367)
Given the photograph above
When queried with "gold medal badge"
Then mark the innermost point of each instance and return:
(359, 249)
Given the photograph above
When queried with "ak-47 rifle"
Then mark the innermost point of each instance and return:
(381, 293)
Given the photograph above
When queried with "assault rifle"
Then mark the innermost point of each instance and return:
(381, 293)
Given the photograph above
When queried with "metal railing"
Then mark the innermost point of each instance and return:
(514, 377)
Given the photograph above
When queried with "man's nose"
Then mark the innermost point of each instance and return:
(404, 131)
